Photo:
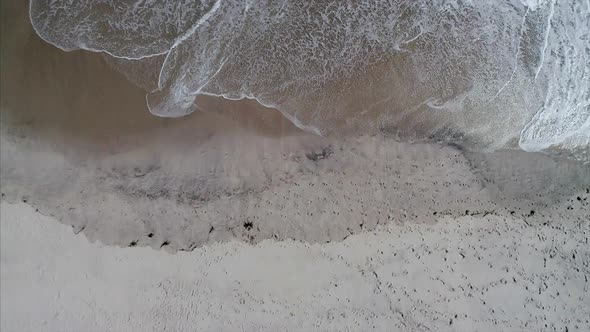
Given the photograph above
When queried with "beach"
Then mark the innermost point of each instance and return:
(465, 274)
(237, 217)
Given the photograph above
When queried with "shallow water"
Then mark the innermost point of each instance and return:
(486, 74)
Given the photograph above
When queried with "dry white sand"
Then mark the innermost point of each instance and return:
(466, 274)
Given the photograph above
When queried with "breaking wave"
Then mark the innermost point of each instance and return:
(489, 74)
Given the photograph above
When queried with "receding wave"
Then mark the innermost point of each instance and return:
(489, 74)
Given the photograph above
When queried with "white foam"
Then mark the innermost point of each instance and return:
(520, 67)
(565, 60)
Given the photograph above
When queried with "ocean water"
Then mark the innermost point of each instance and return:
(485, 74)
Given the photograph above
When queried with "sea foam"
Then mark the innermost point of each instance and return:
(483, 73)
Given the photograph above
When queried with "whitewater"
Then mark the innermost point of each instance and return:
(483, 74)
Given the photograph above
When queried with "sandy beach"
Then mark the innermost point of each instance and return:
(235, 219)
(465, 274)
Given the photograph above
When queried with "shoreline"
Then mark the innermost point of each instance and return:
(234, 218)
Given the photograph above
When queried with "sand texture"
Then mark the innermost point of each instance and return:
(467, 274)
